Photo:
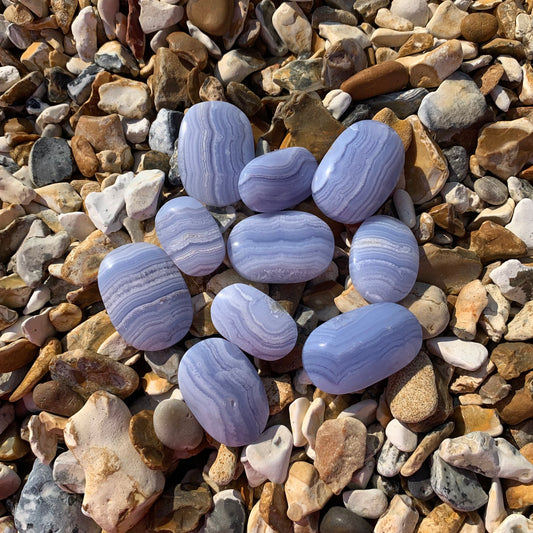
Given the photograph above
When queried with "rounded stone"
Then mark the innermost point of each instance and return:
(212, 17)
(224, 392)
(383, 259)
(479, 27)
(361, 347)
(358, 172)
(491, 190)
(215, 142)
(341, 520)
(145, 296)
(286, 247)
(175, 426)
(277, 180)
(190, 236)
(254, 322)
(50, 161)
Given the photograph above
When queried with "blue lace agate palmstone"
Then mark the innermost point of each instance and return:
(214, 144)
(190, 236)
(286, 247)
(359, 171)
(383, 259)
(254, 322)
(277, 180)
(361, 347)
(224, 392)
(145, 296)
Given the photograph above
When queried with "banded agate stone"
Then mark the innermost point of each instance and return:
(361, 347)
(277, 180)
(215, 142)
(383, 259)
(286, 247)
(359, 171)
(254, 322)
(145, 296)
(190, 236)
(224, 392)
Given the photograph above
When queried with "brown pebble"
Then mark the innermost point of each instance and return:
(470, 418)
(471, 301)
(58, 398)
(12, 447)
(279, 392)
(479, 27)
(65, 316)
(84, 156)
(512, 358)
(188, 48)
(380, 79)
(222, 471)
(443, 519)
(212, 17)
(90, 334)
(417, 43)
(492, 242)
(273, 507)
(17, 354)
(444, 215)
(402, 127)
(520, 495)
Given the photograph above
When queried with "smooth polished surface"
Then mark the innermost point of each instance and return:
(145, 296)
(224, 392)
(358, 172)
(254, 322)
(190, 236)
(277, 180)
(286, 247)
(215, 142)
(383, 259)
(361, 347)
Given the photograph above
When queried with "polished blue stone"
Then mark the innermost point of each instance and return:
(277, 180)
(254, 322)
(359, 171)
(214, 144)
(224, 392)
(190, 236)
(145, 296)
(361, 347)
(286, 247)
(383, 259)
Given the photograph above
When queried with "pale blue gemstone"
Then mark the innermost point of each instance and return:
(214, 144)
(383, 259)
(286, 247)
(145, 296)
(359, 171)
(190, 236)
(254, 322)
(361, 347)
(224, 392)
(277, 180)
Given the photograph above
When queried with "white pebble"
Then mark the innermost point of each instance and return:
(135, 130)
(401, 436)
(500, 98)
(365, 411)
(38, 299)
(405, 207)
(9, 75)
(467, 355)
(297, 410)
(142, 194)
(369, 503)
(77, 224)
(337, 102)
(522, 222)
(84, 33)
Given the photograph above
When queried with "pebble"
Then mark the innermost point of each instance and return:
(443, 518)
(416, 12)
(479, 27)
(400, 516)
(341, 520)
(277, 180)
(155, 16)
(390, 460)
(242, 412)
(311, 422)
(514, 522)
(470, 303)
(254, 322)
(228, 513)
(50, 161)
(458, 352)
(520, 223)
(165, 290)
(491, 190)
(214, 20)
(401, 436)
(200, 170)
(514, 280)
(333, 178)
(446, 21)
(284, 247)
(351, 373)
(383, 259)
(368, 503)
(236, 65)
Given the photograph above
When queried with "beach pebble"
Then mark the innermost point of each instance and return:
(521, 222)
(297, 411)
(401, 516)
(369, 503)
(340, 519)
(457, 352)
(228, 513)
(142, 194)
(50, 161)
(401, 436)
(416, 12)
(164, 131)
(293, 28)
(157, 15)
(84, 33)
(514, 280)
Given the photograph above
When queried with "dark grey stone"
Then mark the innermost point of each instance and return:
(8, 164)
(50, 161)
(458, 488)
(360, 112)
(389, 485)
(228, 515)
(457, 158)
(173, 176)
(307, 320)
(164, 131)
(403, 103)
(165, 362)
(35, 106)
(341, 520)
(79, 89)
(44, 508)
(419, 484)
(491, 190)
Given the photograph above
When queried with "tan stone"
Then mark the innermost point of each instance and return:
(57, 397)
(188, 48)
(12, 447)
(400, 516)
(417, 43)
(518, 405)
(65, 316)
(492, 242)
(446, 21)
(213, 18)
(273, 508)
(84, 156)
(279, 392)
(402, 127)
(471, 301)
(36, 56)
(519, 495)
(14, 293)
(488, 78)
(470, 418)
(349, 299)
(443, 519)
(426, 169)
(223, 470)
(169, 81)
(17, 354)
(432, 68)
(512, 358)
(446, 217)
(479, 27)
(521, 327)
(90, 334)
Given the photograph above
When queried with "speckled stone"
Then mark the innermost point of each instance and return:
(277, 180)
(190, 236)
(224, 392)
(50, 161)
(145, 296)
(383, 259)
(285, 247)
(361, 347)
(215, 143)
(355, 176)
(254, 322)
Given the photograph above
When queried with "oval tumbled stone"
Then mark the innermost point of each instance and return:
(286, 247)
(224, 392)
(214, 144)
(277, 180)
(254, 322)
(383, 259)
(359, 171)
(190, 236)
(145, 296)
(361, 347)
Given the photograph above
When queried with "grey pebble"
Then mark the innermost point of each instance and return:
(391, 460)
(360, 112)
(419, 483)
(519, 189)
(50, 161)
(79, 89)
(228, 515)
(457, 158)
(403, 103)
(491, 189)
(164, 131)
(165, 363)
